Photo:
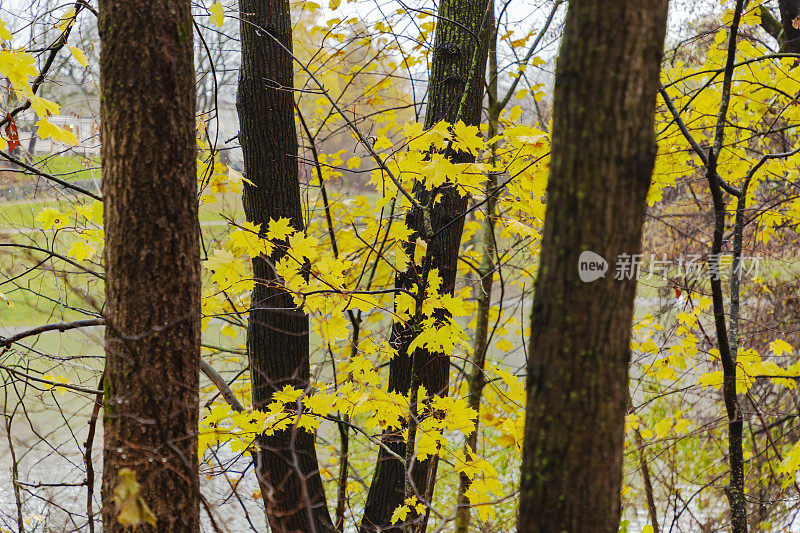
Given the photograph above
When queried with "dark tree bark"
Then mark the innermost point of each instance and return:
(727, 334)
(152, 256)
(603, 152)
(277, 334)
(770, 24)
(456, 93)
(790, 38)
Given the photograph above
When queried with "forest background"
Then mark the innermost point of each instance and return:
(379, 138)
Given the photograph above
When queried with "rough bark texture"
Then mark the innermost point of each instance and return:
(456, 93)
(602, 159)
(790, 10)
(770, 24)
(152, 256)
(277, 334)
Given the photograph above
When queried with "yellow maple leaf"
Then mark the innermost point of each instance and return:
(91, 212)
(43, 107)
(711, 379)
(478, 495)
(302, 246)
(468, 138)
(400, 513)
(67, 20)
(131, 508)
(382, 143)
(79, 55)
(5, 34)
(791, 461)
(319, 403)
(663, 427)
(217, 14)
(780, 347)
(80, 250)
(48, 130)
(52, 218)
(18, 67)
(288, 394)
(279, 229)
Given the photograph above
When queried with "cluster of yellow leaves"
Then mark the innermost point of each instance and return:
(291, 407)
(410, 504)
(425, 157)
(762, 97)
(84, 222)
(676, 424)
(54, 379)
(484, 482)
(213, 177)
(525, 157)
(682, 349)
(503, 408)
(19, 67)
(358, 279)
(224, 425)
(751, 367)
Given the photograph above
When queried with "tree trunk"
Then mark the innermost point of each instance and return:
(277, 334)
(790, 10)
(602, 160)
(456, 93)
(475, 368)
(727, 339)
(152, 257)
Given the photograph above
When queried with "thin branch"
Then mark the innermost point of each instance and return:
(55, 48)
(49, 177)
(221, 385)
(59, 326)
(530, 53)
(52, 254)
(25, 376)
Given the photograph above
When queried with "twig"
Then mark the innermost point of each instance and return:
(58, 326)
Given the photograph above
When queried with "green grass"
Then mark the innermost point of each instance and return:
(22, 214)
(40, 296)
(70, 167)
